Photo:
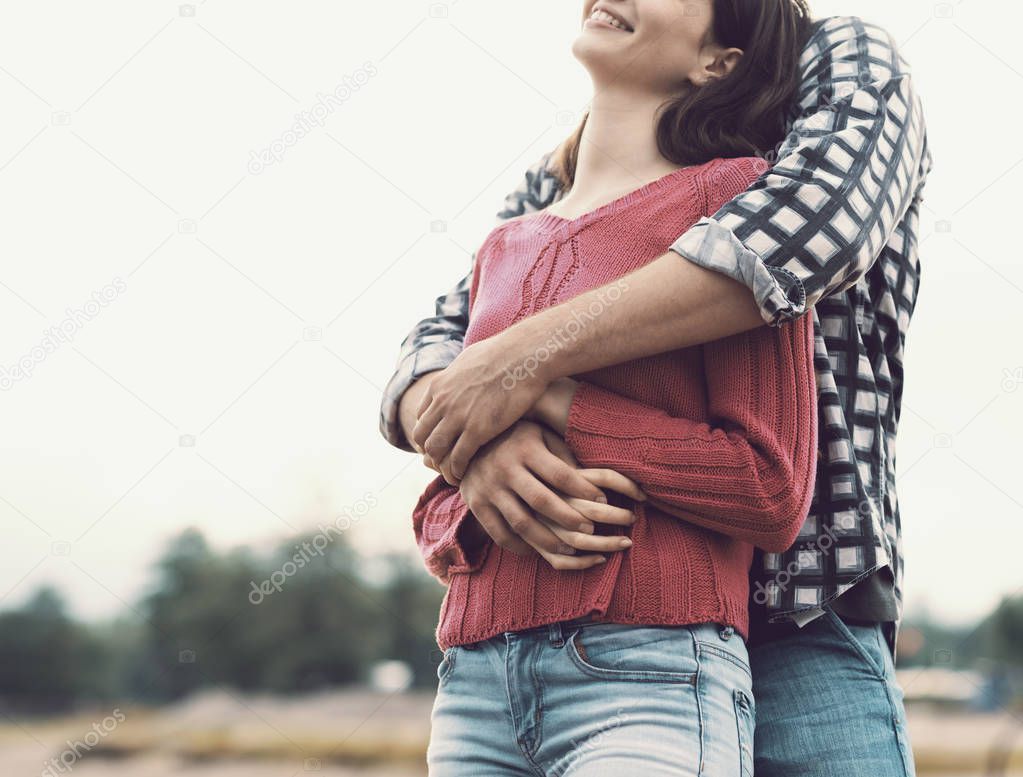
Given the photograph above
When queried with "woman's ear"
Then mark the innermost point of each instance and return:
(716, 62)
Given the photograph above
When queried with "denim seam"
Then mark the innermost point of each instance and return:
(847, 636)
(698, 687)
(537, 724)
(627, 675)
(450, 655)
(513, 709)
(745, 759)
(720, 652)
(898, 726)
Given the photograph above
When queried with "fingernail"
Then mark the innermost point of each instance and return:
(625, 542)
(602, 499)
(586, 527)
(602, 560)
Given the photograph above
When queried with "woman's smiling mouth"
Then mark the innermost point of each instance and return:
(605, 18)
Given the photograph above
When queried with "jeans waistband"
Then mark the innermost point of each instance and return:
(558, 631)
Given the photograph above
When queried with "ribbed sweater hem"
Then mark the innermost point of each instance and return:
(449, 635)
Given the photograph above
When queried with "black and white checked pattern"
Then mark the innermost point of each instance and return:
(831, 227)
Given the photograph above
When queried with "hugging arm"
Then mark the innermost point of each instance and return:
(434, 342)
(750, 472)
(809, 227)
(853, 161)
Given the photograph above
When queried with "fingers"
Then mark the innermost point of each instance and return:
(565, 478)
(567, 563)
(612, 480)
(598, 512)
(547, 503)
(557, 445)
(596, 543)
(523, 534)
(424, 428)
(461, 454)
(523, 523)
(494, 524)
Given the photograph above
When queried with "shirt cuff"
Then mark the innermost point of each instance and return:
(779, 293)
(428, 358)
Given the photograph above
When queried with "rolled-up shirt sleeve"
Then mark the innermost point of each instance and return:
(854, 159)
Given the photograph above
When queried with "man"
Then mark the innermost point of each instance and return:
(830, 230)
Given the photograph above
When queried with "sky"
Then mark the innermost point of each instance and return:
(211, 304)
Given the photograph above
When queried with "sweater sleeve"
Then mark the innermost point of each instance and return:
(438, 520)
(749, 473)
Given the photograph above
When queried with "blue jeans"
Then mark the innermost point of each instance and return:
(584, 699)
(663, 700)
(828, 704)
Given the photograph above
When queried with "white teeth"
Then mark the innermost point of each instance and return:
(604, 16)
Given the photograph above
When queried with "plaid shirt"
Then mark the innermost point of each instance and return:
(831, 228)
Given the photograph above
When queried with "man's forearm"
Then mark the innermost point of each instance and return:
(668, 304)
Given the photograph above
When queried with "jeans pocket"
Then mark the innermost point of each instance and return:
(745, 720)
(865, 642)
(609, 651)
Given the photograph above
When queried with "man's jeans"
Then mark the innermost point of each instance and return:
(578, 699)
(828, 704)
(583, 699)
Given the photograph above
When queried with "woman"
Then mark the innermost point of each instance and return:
(632, 660)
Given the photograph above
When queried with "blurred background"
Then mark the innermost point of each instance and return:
(208, 304)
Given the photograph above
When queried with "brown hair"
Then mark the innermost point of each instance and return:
(743, 114)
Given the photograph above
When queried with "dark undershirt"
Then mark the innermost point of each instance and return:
(872, 600)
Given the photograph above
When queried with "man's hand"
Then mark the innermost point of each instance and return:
(480, 394)
(527, 497)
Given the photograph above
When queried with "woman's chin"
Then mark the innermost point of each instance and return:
(596, 51)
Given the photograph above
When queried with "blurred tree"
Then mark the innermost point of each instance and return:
(1006, 631)
(47, 661)
(413, 601)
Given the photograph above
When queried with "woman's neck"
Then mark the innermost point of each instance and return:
(618, 149)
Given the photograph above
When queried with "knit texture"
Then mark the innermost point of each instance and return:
(725, 432)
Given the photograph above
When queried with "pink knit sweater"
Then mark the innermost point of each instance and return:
(725, 431)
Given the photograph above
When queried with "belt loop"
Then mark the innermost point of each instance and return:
(554, 634)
